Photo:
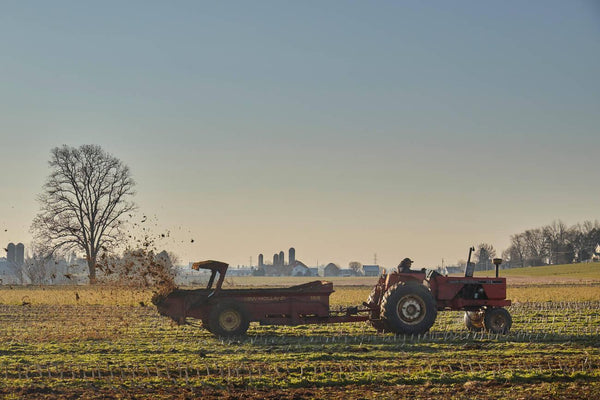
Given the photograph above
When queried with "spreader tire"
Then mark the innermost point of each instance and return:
(408, 309)
(374, 296)
(375, 315)
(228, 319)
(497, 320)
(474, 320)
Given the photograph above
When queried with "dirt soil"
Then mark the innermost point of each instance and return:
(470, 389)
(547, 280)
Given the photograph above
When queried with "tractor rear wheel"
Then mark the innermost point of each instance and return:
(228, 319)
(497, 320)
(408, 309)
(474, 320)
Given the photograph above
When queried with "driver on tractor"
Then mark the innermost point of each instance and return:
(405, 265)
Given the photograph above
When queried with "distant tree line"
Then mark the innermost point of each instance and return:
(556, 243)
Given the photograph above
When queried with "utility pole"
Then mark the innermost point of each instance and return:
(375, 259)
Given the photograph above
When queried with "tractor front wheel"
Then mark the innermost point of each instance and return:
(408, 309)
(497, 320)
(228, 319)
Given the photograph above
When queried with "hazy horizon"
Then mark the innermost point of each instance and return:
(342, 129)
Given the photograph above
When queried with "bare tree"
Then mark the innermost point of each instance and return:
(557, 240)
(39, 267)
(535, 247)
(517, 252)
(577, 241)
(17, 270)
(355, 266)
(484, 254)
(83, 203)
(591, 238)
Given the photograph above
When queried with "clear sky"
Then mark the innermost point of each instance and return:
(342, 128)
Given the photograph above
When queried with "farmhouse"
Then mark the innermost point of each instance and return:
(596, 255)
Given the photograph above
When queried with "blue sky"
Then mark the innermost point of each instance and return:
(343, 129)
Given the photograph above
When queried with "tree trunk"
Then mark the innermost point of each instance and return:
(92, 269)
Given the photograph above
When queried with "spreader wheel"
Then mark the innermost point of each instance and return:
(228, 319)
(474, 320)
(375, 315)
(206, 324)
(497, 320)
(408, 309)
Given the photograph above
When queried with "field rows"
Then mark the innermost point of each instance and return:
(539, 321)
(75, 349)
(315, 374)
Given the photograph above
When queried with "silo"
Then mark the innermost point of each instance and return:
(292, 255)
(275, 259)
(10, 253)
(20, 254)
(260, 260)
(281, 258)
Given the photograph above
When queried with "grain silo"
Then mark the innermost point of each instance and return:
(20, 254)
(10, 253)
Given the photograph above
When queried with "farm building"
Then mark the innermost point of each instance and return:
(348, 272)
(596, 255)
(370, 270)
(300, 269)
(449, 270)
(7, 274)
(240, 271)
(331, 269)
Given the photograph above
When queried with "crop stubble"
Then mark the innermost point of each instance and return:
(109, 341)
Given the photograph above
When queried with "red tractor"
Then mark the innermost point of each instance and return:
(408, 302)
(401, 302)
